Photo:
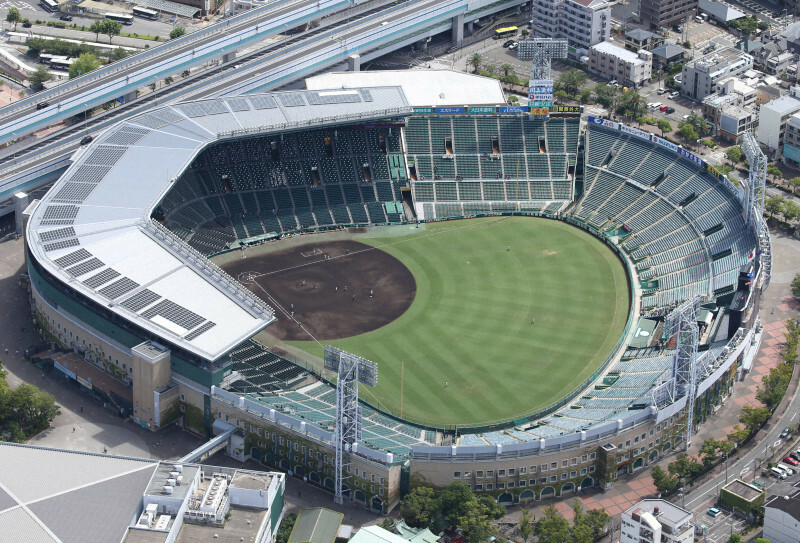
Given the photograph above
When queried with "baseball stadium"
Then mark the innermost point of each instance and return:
(524, 284)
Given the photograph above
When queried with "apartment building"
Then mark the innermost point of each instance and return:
(583, 23)
(774, 117)
(664, 13)
(613, 62)
(700, 76)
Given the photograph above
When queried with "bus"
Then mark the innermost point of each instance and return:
(123, 18)
(506, 32)
(61, 63)
(49, 5)
(145, 13)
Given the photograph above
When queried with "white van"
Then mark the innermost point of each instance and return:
(778, 474)
(789, 471)
(699, 19)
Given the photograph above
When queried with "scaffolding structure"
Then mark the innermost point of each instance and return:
(682, 323)
(541, 51)
(351, 370)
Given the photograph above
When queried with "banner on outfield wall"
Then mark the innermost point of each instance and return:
(513, 109)
(665, 143)
(451, 109)
(565, 110)
(603, 122)
(634, 131)
(481, 109)
(422, 110)
(691, 156)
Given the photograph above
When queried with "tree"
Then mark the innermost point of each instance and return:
(185, 74)
(285, 529)
(796, 286)
(111, 28)
(735, 538)
(586, 96)
(606, 95)
(774, 171)
(572, 80)
(761, 540)
(177, 32)
(664, 481)
(734, 154)
(664, 126)
(38, 78)
(753, 418)
(83, 65)
(791, 211)
(456, 501)
(420, 508)
(774, 205)
(525, 525)
(686, 131)
(506, 69)
(524, 33)
(793, 183)
(168, 80)
(475, 60)
(552, 527)
(14, 16)
(629, 103)
(98, 28)
(597, 520)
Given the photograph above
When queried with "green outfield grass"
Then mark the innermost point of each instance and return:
(470, 323)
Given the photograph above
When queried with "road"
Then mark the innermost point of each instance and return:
(20, 118)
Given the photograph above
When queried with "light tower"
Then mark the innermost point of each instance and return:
(351, 370)
(682, 323)
(755, 199)
(541, 51)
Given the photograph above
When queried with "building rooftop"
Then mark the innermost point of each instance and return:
(376, 534)
(667, 512)
(169, 472)
(785, 105)
(721, 12)
(61, 496)
(721, 60)
(640, 34)
(619, 52)
(420, 87)
(668, 51)
(252, 480)
(789, 503)
(242, 523)
(746, 491)
(93, 229)
(316, 525)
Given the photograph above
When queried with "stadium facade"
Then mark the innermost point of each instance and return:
(118, 273)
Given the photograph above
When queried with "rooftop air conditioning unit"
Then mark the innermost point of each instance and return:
(167, 489)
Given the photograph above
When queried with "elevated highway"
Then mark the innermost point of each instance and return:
(377, 29)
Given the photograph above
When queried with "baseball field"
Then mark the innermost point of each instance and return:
(503, 316)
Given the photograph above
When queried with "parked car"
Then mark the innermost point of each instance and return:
(661, 91)
(785, 433)
(663, 107)
(86, 140)
(791, 461)
(674, 94)
(509, 42)
(42, 105)
(655, 105)
(27, 24)
(713, 512)
(795, 456)
(66, 17)
(789, 471)
(613, 83)
(670, 110)
(777, 473)
(512, 46)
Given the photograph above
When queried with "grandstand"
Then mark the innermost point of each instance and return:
(251, 169)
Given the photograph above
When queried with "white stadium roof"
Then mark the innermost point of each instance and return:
(93, 229)
(421, 87)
